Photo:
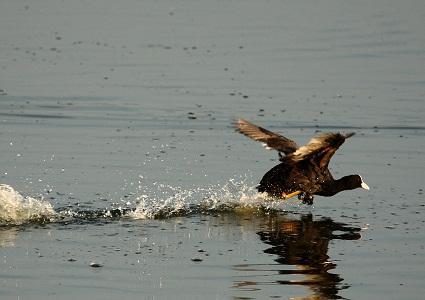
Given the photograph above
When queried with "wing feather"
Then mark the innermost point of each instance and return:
(270, 139)
(320, 148)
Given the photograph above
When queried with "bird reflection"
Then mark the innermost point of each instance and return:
(302, 245)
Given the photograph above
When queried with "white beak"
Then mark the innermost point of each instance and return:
(364, 185)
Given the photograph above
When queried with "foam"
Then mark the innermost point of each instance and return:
(16, 209)
(164, 201)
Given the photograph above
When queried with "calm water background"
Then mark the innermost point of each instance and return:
(111, 104)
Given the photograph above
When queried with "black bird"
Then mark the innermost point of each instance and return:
(303, 171)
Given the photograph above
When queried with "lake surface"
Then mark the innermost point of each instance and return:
(124, 178)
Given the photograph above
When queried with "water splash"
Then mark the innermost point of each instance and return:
(16, 209)
(164, 201)
(154, 201)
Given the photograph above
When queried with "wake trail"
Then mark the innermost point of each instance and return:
(156, 201)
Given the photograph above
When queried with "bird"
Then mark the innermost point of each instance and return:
(302, 171)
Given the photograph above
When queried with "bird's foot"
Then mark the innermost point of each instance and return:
(306, 198)
(290, 195)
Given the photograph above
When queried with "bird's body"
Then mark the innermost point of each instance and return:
(303, 171)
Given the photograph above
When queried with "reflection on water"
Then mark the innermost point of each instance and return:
(8, 236)
(301, 246)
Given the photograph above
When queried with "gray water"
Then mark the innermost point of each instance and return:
(128, 181)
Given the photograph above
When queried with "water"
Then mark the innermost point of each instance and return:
(123, 177)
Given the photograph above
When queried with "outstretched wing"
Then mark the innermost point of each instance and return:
(270, 139)
(320, 148)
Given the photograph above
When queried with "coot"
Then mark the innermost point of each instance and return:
(302, 171)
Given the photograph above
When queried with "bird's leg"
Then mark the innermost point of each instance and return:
(290, 195)
(306, 198)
